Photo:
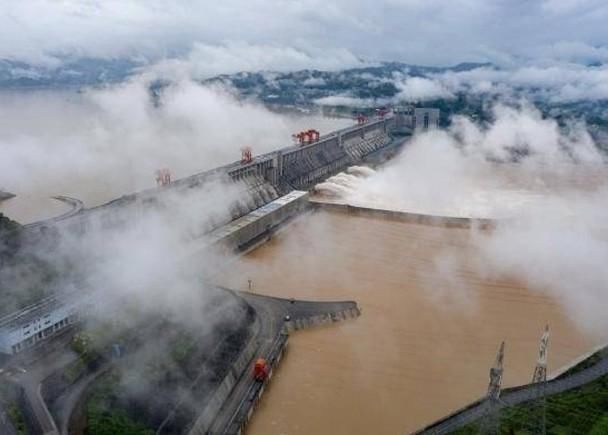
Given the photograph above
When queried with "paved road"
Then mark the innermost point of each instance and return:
(513, 396)
(31, 382)
(76, 204)
(37, 408)
(37, 368)
(66, 403)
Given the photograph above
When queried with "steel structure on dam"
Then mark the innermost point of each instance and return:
(263, 179)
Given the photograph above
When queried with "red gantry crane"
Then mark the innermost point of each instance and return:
(306, 136)
(163, 177)
(361, 118)
(246, 155)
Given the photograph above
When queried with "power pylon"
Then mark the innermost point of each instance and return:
(538, 406)
(496, 374)
(540, 371)
(490, 423)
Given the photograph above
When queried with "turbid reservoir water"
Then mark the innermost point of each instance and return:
(425, 340)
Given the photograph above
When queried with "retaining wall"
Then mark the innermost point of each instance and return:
(254, 395)
(418, 218)
(322, 319)
(205, 419)
(239, 234)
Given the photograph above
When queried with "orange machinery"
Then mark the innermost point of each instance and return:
(260, 370)
(306, 137)
(163, 177)
(246, 156)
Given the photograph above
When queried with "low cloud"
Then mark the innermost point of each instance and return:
(547, 185)
(349, 101)
(559, 249)
(421, 89)
(555, 83)
(207, 60)
(101, 143)
(44, 31)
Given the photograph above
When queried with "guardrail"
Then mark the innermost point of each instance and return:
(251, 400)
(322, 319)
(513, 396)
(221, 393)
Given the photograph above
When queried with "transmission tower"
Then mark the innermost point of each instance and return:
(496, 374)
(490, 423)
(540, 371)
(538, 406)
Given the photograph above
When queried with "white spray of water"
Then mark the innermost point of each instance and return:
(344, 184)
(360, 171)
(552, 185)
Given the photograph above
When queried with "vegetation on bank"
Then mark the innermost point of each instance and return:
(10, 236)
(581, 411)
(160, 361)
(586, 363)
(103, 415)
(17, 418)
(8, 401)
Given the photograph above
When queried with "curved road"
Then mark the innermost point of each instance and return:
(76, 204)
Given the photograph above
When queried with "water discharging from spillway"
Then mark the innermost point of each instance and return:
(483, 191)
(344, 184)
(424, 342)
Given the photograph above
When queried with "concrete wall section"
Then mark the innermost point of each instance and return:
(305, 166)
(360, 131)
(322, 319)
(237, 234)
(425, 118)
(245, 412)
(221, 393)
(418, 218)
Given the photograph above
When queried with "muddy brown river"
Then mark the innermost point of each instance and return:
(424, 342)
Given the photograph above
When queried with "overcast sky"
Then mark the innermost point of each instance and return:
(291, 34)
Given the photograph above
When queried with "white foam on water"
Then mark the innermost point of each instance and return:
(360, 171)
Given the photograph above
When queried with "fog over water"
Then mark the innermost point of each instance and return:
(493, 171)
(436, 302)
(430, 326)
(102, 143)
(546, 185)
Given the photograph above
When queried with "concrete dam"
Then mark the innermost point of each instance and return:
(262, 185)
(265, 178)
